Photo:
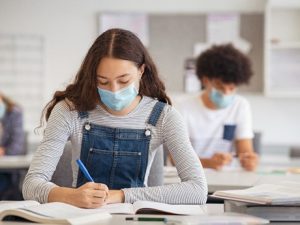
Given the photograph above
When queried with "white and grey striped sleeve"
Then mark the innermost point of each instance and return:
(193, 186)
(37, 183)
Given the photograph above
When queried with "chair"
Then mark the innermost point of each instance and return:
(156, 176)
(63, 173)
(294, 152)
(26, 134)
(257, 142)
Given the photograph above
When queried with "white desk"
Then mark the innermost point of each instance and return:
(271, 170)
(223, 218)
(17, 166)
(15, 162)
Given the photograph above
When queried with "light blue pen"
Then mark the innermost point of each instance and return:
(84, 170)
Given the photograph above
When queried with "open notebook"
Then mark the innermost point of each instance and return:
(146, 207)
(61, 213)
(287, 193)
(55, 213)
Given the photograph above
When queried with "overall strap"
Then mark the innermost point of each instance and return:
(83, 115)
(155, 114)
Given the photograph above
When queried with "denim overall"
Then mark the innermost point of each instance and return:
(117, 157)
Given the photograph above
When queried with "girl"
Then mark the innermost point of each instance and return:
(116, 114)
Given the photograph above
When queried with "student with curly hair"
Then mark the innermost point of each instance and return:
(219, 120)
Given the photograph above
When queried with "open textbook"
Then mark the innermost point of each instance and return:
(61, 213)
(286, 193)
(154, 207)
(55, 213)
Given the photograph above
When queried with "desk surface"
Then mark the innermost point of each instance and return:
(15, 162)
(214, 212)
(271, 170)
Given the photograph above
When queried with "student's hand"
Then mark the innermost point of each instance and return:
(115, 196)
(249, 160)
(217, 161)
(220, 159)
(2, 151)
(90, 195)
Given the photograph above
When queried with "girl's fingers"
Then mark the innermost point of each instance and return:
(98, 194)
(100, 186)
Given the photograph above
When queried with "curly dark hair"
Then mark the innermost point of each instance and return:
(226, 63)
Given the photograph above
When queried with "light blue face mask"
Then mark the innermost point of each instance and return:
(120, 99)
(2, 110)
(219, 99)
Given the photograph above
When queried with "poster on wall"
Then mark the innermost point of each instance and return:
(135, 22)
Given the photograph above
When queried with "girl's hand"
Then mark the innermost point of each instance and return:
(90, 195)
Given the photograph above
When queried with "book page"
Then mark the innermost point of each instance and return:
(16, 204)
(286, 193)
(143, 206)
(116, 208)
(55, 212)
(60, 210)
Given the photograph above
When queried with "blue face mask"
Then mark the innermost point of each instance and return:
(219, 99)
(120, 99)
(2, 110)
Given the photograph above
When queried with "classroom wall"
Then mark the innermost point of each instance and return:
(173, 37)
(69, 28)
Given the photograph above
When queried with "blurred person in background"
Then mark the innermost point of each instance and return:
(11, 138)
(219, 120)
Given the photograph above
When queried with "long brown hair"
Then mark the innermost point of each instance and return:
(116, 43)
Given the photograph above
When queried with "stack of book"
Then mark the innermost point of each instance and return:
(274, 202)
